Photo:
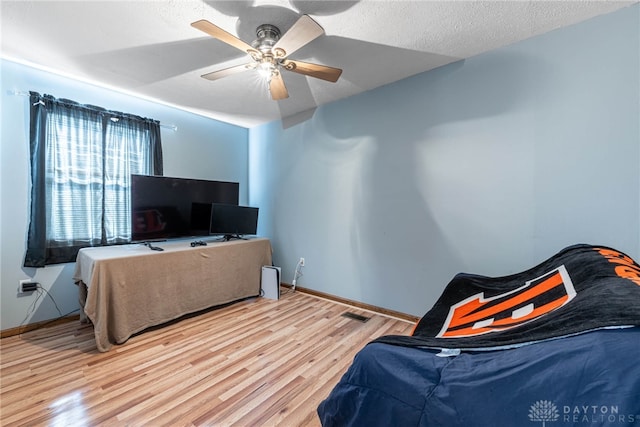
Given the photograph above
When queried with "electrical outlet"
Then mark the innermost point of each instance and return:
(27, 285)
(301, 262)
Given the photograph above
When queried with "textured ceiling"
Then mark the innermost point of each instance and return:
(148, 48)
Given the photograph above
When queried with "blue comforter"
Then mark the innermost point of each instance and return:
(590, 379)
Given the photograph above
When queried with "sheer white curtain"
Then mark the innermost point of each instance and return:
(74, 169)
(127, 151)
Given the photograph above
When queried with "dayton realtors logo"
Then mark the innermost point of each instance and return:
(545, 411)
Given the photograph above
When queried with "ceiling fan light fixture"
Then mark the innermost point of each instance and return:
(266, 68)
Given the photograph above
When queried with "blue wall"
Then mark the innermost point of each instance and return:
(201, 148)
(486, 166)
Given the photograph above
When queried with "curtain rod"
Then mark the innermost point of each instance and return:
(23, 93)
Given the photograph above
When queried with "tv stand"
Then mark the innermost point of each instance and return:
(126, 289)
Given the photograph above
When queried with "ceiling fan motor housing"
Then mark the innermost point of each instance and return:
(268, 36)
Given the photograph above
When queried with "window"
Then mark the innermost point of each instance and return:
(82, 158)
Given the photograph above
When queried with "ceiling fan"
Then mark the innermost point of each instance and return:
(270, 53)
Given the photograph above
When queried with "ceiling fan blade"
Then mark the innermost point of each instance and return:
(277, 88)
(222, 35)
(302, 32)
(215, 75)
(318, 71)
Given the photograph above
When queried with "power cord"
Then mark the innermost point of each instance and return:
(52, 300)
(297, 273)
(31, 309)
(41, 291)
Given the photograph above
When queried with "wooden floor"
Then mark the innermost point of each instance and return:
(257, 362)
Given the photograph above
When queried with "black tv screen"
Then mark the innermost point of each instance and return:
(161, 206)
(224, 219)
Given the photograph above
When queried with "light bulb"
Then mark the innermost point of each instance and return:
(265, 69)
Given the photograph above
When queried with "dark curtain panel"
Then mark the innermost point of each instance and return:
(37, 234)
(156, 148)
(82, 158)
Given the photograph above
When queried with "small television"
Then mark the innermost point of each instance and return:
(161, 205)
(228, 220)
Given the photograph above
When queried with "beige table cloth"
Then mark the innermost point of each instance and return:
(126, 289)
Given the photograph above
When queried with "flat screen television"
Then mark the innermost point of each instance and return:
(161, 205)
(228, 220)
